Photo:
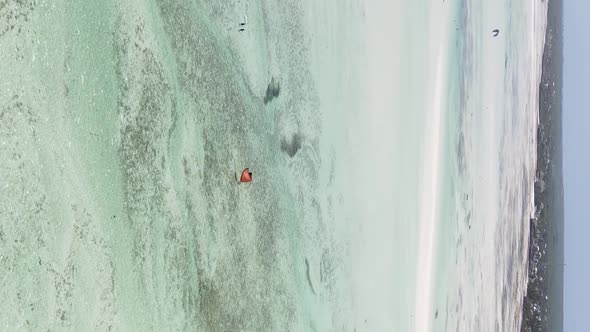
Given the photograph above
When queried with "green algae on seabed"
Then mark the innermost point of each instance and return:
(123, 136)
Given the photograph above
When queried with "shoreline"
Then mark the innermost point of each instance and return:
(431, 212)
(431, 188)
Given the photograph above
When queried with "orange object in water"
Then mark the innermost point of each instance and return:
(246, 176)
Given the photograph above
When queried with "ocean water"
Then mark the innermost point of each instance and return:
(392, 146)
(493, 139)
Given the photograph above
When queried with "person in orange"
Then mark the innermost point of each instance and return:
(246, 175)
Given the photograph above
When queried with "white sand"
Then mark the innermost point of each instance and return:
(430, 189)
(429, 201)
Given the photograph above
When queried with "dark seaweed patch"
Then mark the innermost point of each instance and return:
(292, 146)
(272, 90)
(14, 15)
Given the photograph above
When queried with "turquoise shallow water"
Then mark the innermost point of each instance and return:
(123, 127)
